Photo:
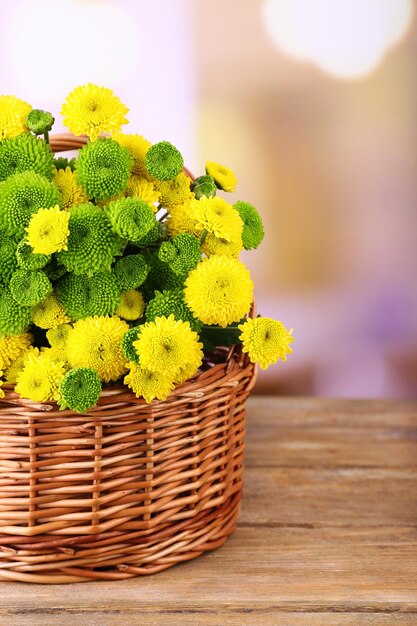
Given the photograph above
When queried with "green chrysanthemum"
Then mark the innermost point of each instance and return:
(29, 288)
(24, 153)
(204, 186)
(92, 244)
(253, 229)
(14, 318)
(182, 253)
(8, 261)
(131, 271)
(80, 389)
(83, 296)
(128, 348)
(27, 259)
(171, 302)
(133, 219)
(160, 277)
(163, 161)
(21, 195)
(103, 168)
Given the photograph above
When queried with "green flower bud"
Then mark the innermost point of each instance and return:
(39, 122)
(204, 186)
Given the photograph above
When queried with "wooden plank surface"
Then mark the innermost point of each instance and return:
(327, 534)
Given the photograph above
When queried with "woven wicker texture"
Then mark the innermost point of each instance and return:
(129, 488)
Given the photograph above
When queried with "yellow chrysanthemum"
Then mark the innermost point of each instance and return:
(214, 245)
(217, 217)
(71, 192)
(181, 220)
(185, 373)
(12, 346)
(223, 176)
(174, 192)
(2, 394)
(138, 147)
(40, 378)
(96, 342)
(143, 189)
(167, 345)
(219, 291)
(132, 305)
(265, 340)
(148, 384)
(13, 113)
(91, 110)
(14, 369)
(49, 313)
(58, 336)
(57, 355)
(48, 230)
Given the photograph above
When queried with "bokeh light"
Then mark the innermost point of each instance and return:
(345, 38)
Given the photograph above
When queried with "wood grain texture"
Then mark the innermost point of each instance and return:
(327, 534)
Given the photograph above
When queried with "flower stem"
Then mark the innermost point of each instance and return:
(46, 136)
(203, 236)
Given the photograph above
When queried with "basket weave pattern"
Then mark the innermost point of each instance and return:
(128, 489)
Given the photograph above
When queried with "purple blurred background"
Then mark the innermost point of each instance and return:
(313, 105)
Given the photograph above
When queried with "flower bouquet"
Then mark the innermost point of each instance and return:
(120, 287)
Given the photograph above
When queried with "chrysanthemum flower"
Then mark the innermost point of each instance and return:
(58, 336)
(253, 228)
(80, 389)
(218, 218)
(219, 291)
(138, 147)
(148, 384)
(128, 348)
(96, 342)
(174, 192)
(12, 372)
(223, 176)
(170, 302)
(167, 344)
(133, 219)
(103, 168)
(132, 305)
(30, 287)
(92, 243)
(71, 192)
(48, 230)
(14, 317)
(91, 110)
(13, 113)
(2, 394)
(143, 190)
(27, 259)
(50, 313)
(40, 378)
(163, 161)
(12, 346)
(23, 153)
(8, 260)
(265, 340)
(22, 195)
(182, 253)
(85, 296)
(131, 271)
(181, 219)
(160, 277)
(215, 245)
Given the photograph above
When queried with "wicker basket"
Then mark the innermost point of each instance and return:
(129, 488)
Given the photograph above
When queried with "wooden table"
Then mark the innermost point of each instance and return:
(327, 534)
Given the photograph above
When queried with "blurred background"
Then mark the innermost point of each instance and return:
(313, 104)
